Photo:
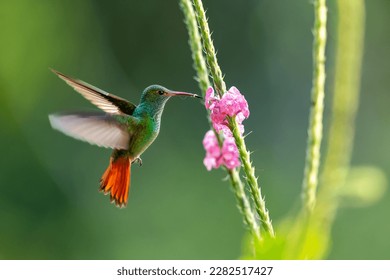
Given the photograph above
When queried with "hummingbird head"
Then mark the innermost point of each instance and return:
(159, 95)
(156, 95)
(154, 98)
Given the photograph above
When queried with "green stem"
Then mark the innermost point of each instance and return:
(195, 43)
(310, 180)
(240, 143)
(349, 54)
(220, 86)
(243, 203)
(203, 80)
(255, 190)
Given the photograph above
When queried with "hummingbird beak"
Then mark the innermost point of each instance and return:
(181, 93)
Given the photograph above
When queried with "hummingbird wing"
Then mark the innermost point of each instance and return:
(95, 128)
(108, 102)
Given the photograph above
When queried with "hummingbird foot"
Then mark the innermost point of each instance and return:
(138, 160)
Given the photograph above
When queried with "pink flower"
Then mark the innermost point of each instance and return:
(230, 153)
(213, 151)
(215, 156)
(232, 104)
(209, 98)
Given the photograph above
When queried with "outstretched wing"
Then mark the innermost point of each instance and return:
(95, 128)
(109, 103)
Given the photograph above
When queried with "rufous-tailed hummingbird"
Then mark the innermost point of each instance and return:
(126, 128)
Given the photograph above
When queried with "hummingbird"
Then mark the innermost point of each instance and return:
(124, 127)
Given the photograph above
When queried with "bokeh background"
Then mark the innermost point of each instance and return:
(49, 204)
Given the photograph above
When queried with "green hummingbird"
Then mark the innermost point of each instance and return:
(124, 127)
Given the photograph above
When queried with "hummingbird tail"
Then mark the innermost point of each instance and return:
(116, 180)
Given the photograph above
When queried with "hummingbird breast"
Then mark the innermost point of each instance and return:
(143, 135)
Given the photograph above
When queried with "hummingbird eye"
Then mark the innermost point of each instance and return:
(160, 92)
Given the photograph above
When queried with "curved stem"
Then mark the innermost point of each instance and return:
(203, 80)
(195, 43)
(255, 190)
(310, 180)
(349, 54)
(243, 203)
(239, 140)
(220, 86)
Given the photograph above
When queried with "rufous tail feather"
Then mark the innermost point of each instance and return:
(116, 180)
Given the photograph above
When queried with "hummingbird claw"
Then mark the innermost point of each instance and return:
(138, 160)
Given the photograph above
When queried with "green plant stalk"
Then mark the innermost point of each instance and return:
(219, 83)
(195, 43)
(255, 190)
(243, 203)
(203, 80)
(220, 87)
(310, 178)
(349, 56)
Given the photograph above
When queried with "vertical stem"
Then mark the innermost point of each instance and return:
(243, 203)
(252, 181)
(211, 56)
(195, 43)
(310, 180)
(203, 80)
(239, 140)
(349, 54)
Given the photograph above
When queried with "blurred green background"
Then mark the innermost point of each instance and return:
(49, 204)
